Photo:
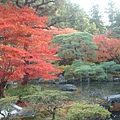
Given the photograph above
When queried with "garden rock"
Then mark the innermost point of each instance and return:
(61, 78)
(68, 87)
(20, 111)
(3, 114)
(25, 113)
(113, 98)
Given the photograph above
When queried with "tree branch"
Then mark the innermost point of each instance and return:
(63, 20)
(17, 3)
(29, 3)
(43, 3)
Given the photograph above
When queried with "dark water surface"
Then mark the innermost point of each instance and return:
(105, 88)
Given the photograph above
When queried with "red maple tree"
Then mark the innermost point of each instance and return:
(108, 48)
(26, 51)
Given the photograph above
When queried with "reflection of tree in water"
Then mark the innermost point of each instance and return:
(104, 88)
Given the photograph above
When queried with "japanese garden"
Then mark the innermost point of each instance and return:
(58, 62)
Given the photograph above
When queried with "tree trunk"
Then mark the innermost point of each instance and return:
(2, 87)
(53, 114)
(25, 79)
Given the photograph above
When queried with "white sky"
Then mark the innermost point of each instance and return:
(87, 4)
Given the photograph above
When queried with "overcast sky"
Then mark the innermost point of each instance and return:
(87, 4)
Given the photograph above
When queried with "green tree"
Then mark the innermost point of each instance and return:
(80, 69)
(111, 67)
(116, 32)
(114, 19)
(75, 46)
(72, 16)
(96, 17)
(111, 11)
(92, 29)
(116, 26)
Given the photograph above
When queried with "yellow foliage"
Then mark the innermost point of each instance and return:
(78, 91)
(62, 67)
(71, 70)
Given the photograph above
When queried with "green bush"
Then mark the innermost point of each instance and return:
(23, 90)
(85, 111)
(33, 93)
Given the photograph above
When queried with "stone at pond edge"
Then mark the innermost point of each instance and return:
(112, 98)
(68, 87)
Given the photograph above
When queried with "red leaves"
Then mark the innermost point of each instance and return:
(27, 47)
(108, 48)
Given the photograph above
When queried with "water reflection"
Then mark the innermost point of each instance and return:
(104, 88)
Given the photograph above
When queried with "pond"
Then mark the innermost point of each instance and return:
(104, 88)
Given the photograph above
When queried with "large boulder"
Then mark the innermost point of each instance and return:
(112, 98)
(3, 114)
(68, 87)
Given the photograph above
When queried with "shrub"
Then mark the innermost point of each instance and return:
(77, 111)
(23, 90)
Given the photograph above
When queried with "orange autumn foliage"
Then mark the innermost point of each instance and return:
(26, 50)
(108, 49)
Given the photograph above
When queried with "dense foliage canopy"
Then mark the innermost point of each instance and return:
(75, 46)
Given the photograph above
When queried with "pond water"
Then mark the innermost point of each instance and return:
(104, 88)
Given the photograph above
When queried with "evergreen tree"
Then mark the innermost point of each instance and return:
(75, 46)
(95, 17)
(80, 69)
(111, 11)
(114, 19)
